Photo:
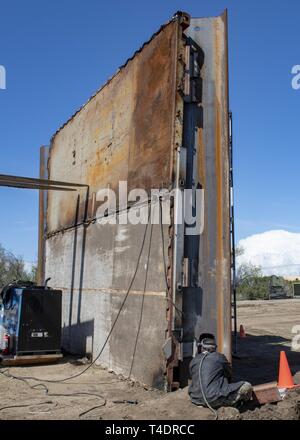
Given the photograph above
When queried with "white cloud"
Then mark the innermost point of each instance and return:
(277, 252)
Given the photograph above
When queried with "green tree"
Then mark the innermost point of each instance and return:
(12, 268)
(251, 284)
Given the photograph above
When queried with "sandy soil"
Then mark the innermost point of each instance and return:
(269, 329)
(268, 326)
(151, 404)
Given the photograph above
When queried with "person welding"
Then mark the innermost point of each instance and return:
(211, 378)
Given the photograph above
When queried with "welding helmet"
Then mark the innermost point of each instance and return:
(208, 342)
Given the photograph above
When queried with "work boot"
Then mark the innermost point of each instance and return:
(244, 393)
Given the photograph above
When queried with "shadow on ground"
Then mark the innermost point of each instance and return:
(257, 359)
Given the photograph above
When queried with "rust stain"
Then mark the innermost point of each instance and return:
(123, 133)
(222, 186)
(219, 188)
(115, 76)
(219, 238)
(175, 141)
(202, 171)
(150, 153)
(177, 128)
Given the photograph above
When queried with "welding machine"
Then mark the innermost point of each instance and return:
(30, 320)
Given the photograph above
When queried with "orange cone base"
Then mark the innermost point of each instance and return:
(242, 332)
(285, 379)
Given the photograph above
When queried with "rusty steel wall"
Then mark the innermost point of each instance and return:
(94, 268)
(134, 129)
(126, 132)
(213, 165)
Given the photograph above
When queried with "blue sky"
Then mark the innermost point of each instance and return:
(57, 53)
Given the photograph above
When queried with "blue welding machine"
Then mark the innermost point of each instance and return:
(30, 320)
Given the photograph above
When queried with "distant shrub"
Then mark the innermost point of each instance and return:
(12, 268)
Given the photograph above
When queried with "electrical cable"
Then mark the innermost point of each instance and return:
(25, 405)
(201, 387)
(145, 282)
(89, 410)
(47, 393)
(112, 327)
(26, 378)
(143, 301)
(164, 257)
(46, 389)
(124, 301)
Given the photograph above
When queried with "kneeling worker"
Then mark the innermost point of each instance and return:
(211, 375)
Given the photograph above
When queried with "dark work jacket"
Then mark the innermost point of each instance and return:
(215, 376)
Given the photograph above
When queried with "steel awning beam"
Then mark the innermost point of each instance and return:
(34, 186)
(29, 180)
(40, 184)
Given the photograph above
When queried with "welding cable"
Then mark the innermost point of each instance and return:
(120, 309)
(47, 393)
(25, 379)
(122, 305)
(202, 390)
(145, 283)
(25, 405)
(143, 301)
(114, 323)
(164, 257)
(117, 402)
(89, 410)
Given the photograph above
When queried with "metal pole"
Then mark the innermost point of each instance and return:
(44, 153)
(33, 181)
(232, 230)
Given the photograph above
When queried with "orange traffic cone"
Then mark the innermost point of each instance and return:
(285, 379)
(242, 332)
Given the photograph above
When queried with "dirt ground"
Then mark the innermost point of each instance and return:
(268, 327)
(152, 404)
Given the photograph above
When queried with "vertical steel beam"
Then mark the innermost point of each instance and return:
(44, 154)
(232, 231)
(214, 171)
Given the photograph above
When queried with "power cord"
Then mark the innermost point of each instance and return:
(35, 387)
(25, 405)
(26, 378)
(47, 393)
(201, 387)
(143, 301)
(112, 327)
(164, 257)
